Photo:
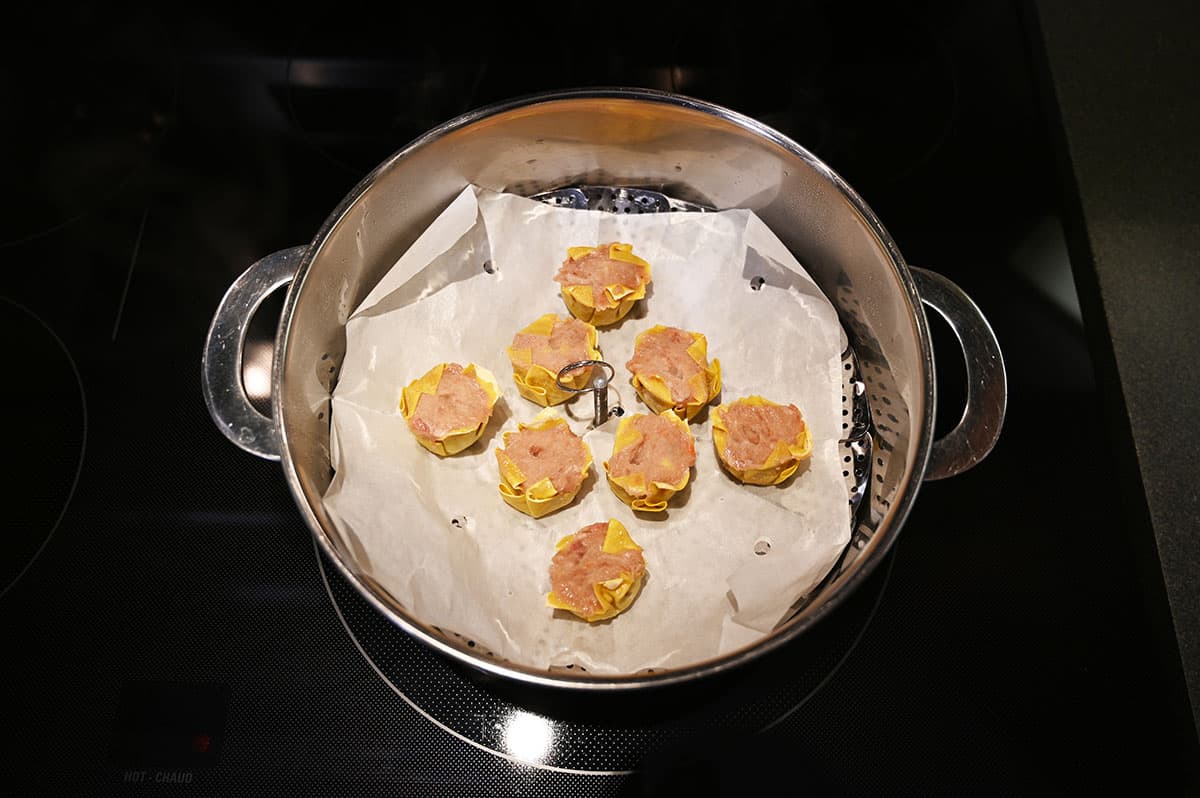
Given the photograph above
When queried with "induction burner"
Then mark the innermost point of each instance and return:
(46, 440)
(598, 734)
(173, 629)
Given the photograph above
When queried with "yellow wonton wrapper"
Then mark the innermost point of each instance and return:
(780, 464)
(456, 440)
(538, 383)
(633, 488)
(705, 385)
(541, 497)
(616, 594)
(582, 304)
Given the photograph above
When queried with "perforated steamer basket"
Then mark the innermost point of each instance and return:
(651, 151)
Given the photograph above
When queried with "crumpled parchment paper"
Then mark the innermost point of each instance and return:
(435, 531)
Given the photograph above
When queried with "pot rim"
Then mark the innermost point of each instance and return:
(842, 586)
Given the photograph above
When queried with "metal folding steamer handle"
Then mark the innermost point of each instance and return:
(224, 392)
(597, 384)
(987, 384)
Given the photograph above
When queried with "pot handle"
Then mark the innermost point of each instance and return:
(224, 393)
(987, 386)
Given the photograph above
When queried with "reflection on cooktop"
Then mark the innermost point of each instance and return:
(610, 732)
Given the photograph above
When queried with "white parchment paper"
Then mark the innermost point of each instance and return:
(435, 532)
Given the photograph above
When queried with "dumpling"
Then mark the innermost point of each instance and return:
(596, 572)
(540, 351)
(671, 371)
(542, 466)
(601, 284)
(759, 441)
(651, 460)
(448, 407)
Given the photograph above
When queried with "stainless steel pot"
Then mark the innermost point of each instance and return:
(685, 148)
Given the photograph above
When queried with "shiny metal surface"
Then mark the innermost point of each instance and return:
(857, 443)
(598, 387)
(987, 385)
(616, 199)
(221, 382)
(641, 139)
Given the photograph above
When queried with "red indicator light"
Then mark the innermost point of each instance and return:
(201, 743)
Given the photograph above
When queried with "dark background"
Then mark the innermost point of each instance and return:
(163, 606)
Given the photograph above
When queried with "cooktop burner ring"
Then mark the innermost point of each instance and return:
(535, 730)
(48, 494)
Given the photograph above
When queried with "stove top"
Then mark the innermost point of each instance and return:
(173, 629)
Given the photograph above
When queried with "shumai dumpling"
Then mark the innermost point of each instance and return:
(601, 284)
(542, 465)
(596, 572)
(448, 408)
(651, 460)
(671, 371)
(760, 442)
(540, 351)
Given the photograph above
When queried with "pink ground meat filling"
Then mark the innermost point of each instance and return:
(567, 343)
(754, 431)
(598, 270)
(553, 452)
(664, 354)
(579, 565)
(460, 403)
(664, 453)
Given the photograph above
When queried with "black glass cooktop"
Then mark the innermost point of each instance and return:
(171, 627)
